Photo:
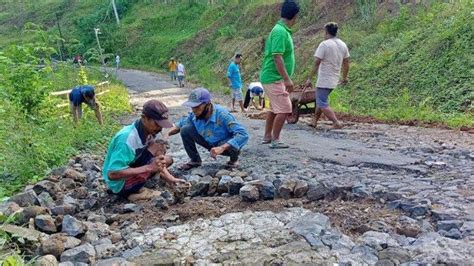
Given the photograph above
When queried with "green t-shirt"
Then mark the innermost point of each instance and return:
(279, 42)
(120, 154)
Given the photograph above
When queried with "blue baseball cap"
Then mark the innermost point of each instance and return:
(197, 97)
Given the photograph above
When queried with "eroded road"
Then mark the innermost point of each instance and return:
(363, 195)
(426, 175)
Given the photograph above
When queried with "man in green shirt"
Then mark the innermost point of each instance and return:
(278, 67)
(134, 156)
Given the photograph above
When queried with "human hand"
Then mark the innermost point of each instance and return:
(217, 151)
(289, 85)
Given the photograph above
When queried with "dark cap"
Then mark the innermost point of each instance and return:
(197, 97)
(157, 111)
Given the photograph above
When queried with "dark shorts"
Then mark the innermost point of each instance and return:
(135, 183)
(322, 95)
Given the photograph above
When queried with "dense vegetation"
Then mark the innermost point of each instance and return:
(36, 131)
(409, 62)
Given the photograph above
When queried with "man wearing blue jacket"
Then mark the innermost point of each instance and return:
(212, 127)
(83, 94)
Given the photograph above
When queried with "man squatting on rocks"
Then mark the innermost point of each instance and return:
(329, 57)
(277, 69)
(212, 127)
(133, 155)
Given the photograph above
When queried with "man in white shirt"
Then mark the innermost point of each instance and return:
(254, 90)
(117, 61)
(331, 55)
(181, 72)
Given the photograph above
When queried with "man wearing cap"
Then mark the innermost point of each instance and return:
(83, 94)
(211, 126)
(132, 158)
(235, 82)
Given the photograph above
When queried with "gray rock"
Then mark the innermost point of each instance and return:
(161, 203)
(444, 214)
(46, 186)
(24, 199)
(24, 215)
(223, 186)
(286, 189)
(454, 233)
(317, 191)
(200, 186)
(301, 188)
(449, 224)
(311, 223)
(249, 193)
(113, 262)
(45, 223)
(222, 173)
(467, 228)
(132, 253)
(267, 191)
(313, 240)
(71, 242)
(67, 183)
(378, 240)
(45, 200)
(63, 210)
(131, 207)
(169, 197)
(361, 190)
(365, 255)
(71, 226)
(74, 175)
(8, 208)
(26, 233)
(84, 253)
(395, 255)
(68, 200)
(200, 171)
(419, 210)
(104, 248)
(235, 184)
(47, 260)
(213, 187)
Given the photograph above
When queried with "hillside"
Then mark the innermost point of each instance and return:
(409, 62)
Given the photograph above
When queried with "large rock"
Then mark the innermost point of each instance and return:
(235, 184)
(74, 175)
(45, 200)
(46, 186)
(25, 233)
(301, 188)
(84, 253)
(45, 223)
(131, 207)
(24, 199)
(223, 186)
(63, 210)
(449, 224)
(9, 207)
(395, 255)
(213, 187)
(378, 240)
(53, 245)
(103, 248)
(249, 193)
(200, 186)
(161, 203)
(67, 183)
(222, 173)
(265, 189)
(71, 226)
(310, 223)
(286, 189)
(47, 260)
(317, 191)
(29, 212)
(445, 214)
(132, 253)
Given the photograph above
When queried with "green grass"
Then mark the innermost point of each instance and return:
(414, 64)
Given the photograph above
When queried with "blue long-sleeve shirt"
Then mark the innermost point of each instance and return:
(220, 128)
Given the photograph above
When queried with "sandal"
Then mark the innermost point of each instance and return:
(266, 141)
(189, 166)
(279, 145)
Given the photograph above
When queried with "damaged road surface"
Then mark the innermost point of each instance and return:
(366, 194)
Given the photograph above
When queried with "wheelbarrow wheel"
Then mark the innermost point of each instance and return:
(294, 116)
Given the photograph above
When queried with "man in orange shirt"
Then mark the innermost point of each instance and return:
(172, 65)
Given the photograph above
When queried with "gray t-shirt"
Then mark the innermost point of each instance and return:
(331, 52)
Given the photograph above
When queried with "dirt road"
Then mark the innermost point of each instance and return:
(426, 174)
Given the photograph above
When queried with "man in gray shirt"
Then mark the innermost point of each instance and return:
(331, 55)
